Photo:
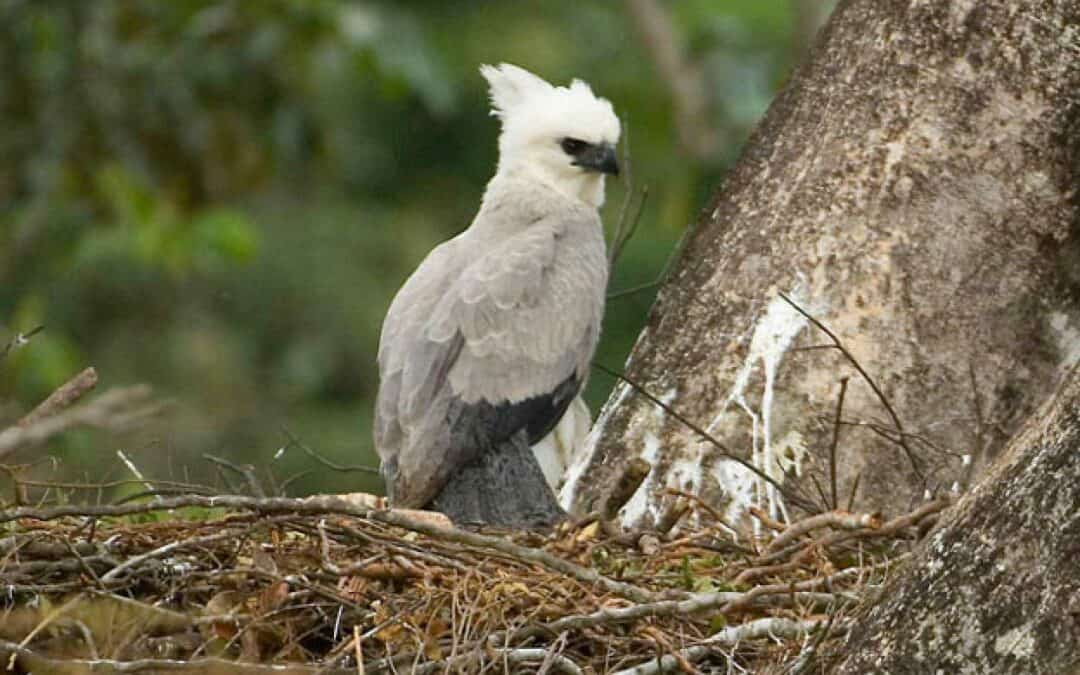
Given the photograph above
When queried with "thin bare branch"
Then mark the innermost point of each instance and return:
(835, 442)
(19, 340)
(345, 468)
(246, 471)
(901, 435)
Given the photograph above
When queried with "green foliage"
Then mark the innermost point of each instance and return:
(220, 197)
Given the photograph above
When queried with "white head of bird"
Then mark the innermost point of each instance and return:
(562, 136)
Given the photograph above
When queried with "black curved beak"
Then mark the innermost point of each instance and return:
(600, 158)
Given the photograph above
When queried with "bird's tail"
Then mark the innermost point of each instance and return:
(503, 486)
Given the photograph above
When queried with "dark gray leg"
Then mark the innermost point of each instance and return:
(503, 486)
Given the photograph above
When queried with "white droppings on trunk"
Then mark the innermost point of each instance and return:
(773, 336)
(583, 455)
(1018, 643)
(1068, 339)
(679, 474)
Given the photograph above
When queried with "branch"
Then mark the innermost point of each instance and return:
(889, 528)
(66, 394)
(116, 410)
(20, 340)
(838, 519)
(836, 441)
(697, 137)
(344, 468)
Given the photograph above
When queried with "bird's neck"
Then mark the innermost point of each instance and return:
(572, 183)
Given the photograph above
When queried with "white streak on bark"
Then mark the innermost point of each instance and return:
(1068, 339)
(773, 336)
(641, 504)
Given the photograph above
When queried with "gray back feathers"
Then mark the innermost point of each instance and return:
(506, 311)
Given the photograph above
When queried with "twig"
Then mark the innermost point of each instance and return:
(345, 468)
(160, 551)
(889, 528)
(854, 491)
(247, 471)
(505, 655)
(838, 519)
(766, 520)
(902, 436)
(623, 292)
(48, 619)
(135, 472)
(669, 264)
(836, 441)
(70, 485)
(713, 512)
(621, 225)
(20, 340)
(357, 649)
(62, 397)
(624, 235)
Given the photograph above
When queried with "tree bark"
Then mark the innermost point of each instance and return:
(996, 589)
(914, 188)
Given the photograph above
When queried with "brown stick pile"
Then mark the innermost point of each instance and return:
(323, 583)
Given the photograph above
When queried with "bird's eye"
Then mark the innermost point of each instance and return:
(573, 146)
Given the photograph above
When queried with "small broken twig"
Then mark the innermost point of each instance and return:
(838, 519)
(64, 395)
(836, 441)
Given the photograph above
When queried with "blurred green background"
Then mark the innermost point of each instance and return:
(220, 198)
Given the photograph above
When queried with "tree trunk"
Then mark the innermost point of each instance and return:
(914, 188)
(996, 589)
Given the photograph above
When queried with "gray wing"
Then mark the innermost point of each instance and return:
(507, 329)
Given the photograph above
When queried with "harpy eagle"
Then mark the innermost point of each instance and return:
(489, 341)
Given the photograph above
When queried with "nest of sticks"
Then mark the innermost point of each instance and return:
(182, 579)
(329, 584)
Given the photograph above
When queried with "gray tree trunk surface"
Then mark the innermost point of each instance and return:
(914, 188)
(996, 589)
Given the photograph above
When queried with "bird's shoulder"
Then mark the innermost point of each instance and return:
(423, 289)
